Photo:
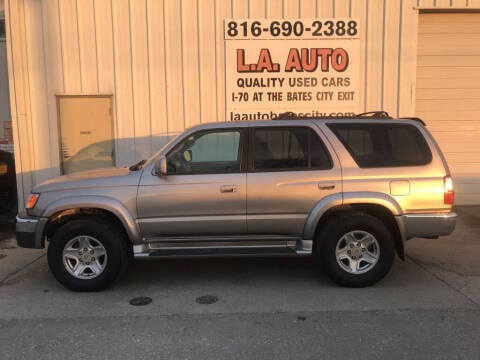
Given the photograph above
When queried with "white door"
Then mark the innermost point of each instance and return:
(86, 132)
(448, 94)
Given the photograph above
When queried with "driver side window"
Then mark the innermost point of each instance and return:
(206, 152)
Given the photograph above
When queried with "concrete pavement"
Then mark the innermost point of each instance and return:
(427, 307)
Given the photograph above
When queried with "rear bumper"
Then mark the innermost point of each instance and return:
(29, 231)
(426, 225)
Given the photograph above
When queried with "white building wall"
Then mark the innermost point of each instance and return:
(163, 62)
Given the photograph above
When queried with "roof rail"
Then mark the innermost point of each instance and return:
(289, 115)
(375, 115)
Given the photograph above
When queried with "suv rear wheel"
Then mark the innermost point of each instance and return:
(355, 249)
(87, 254)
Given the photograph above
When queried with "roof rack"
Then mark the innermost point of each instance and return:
(289, 115)
(374, 115)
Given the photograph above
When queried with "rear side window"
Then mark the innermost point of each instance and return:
(285, 148)
(383, 145)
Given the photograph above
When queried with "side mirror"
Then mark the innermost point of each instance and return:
(161, 166)
(187, 155)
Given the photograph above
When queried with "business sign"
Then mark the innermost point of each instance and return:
(308, 66)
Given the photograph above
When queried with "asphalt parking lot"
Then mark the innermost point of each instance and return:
(427, 307)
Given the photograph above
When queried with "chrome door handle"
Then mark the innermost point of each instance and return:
(228, 189)
(326, 186)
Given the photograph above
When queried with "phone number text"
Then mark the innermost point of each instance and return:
(326, 28)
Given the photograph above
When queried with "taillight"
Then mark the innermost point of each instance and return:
(448, 192)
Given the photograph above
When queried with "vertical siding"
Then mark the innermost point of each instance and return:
(207, 58)
(407, 58)
(174, 64)
(19, 97)
(274, 9)
(104, 46)
(222, 11)
(163, 62)
(140, 77)
(390, 55)
(40, 126)
(308, 8)
(190, 62)
(358, 9)
(52, 49)
(123, 90)
(87, 48)
(69, 33)
(156, 57)
(375, 43)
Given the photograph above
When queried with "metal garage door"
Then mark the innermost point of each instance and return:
(448, 94)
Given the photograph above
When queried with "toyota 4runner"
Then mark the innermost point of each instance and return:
(348, 191)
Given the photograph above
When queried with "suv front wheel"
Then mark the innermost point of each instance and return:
(87, 254)
(355, 249)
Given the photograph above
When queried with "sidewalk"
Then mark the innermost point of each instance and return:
(12, 258)
(432, 299)
(453, 258)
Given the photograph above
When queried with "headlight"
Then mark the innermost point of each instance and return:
(32, 201)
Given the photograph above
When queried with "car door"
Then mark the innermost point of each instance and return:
(203, 192)
(289, 171)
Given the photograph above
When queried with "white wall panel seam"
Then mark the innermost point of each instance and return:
(132, 78)
(96, 44)
(18, 151)
(218, 117)
(149, 86)
(115, 102)
(61, 47)
(382, 86)
(79, 47)
(165, 69)
(199, 65)
(365, 86)
(28, 109)
(183, 65)
(399, 57)
(45, 73)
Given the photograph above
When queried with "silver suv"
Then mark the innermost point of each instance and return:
(348, 191)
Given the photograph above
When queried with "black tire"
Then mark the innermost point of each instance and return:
(330, 239)
(99, 231)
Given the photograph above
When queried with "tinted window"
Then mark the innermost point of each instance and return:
(206, 152)
(288, 148)
(383, 145)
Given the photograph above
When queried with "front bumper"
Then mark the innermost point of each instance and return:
(29, 231)
(426, 225)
